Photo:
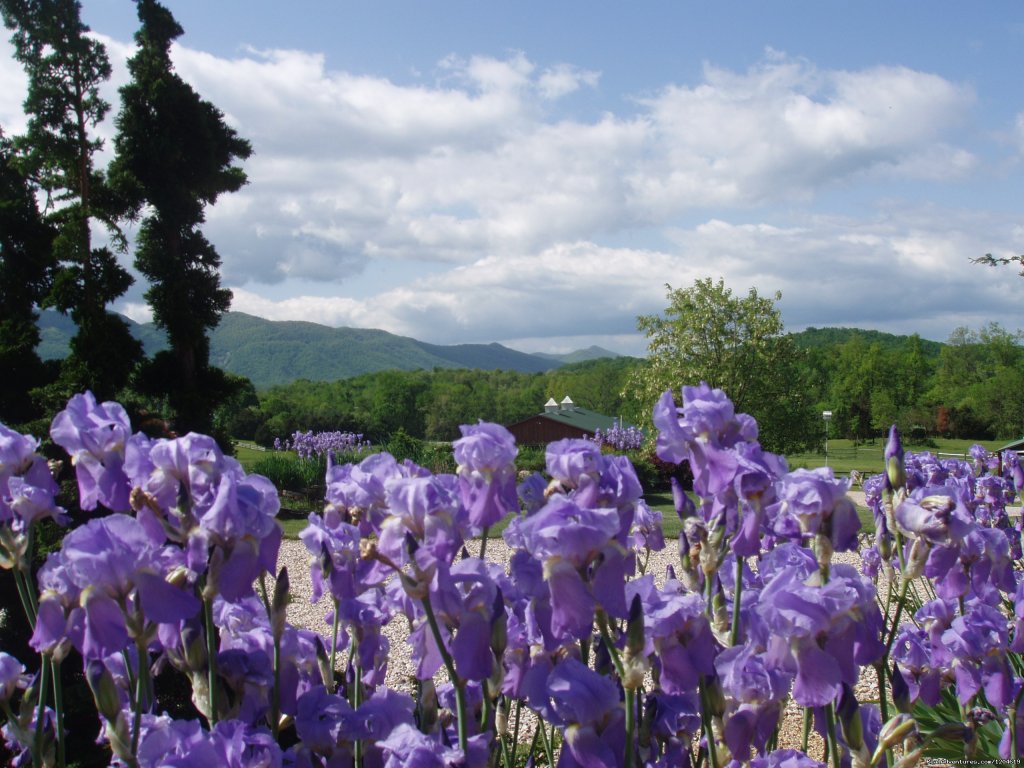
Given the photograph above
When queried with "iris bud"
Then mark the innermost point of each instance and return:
(279, 605)
(848, 712)
(895, 471)
(900, 690)
(916, 559)
(426, 705)
(324, 665)
(104, 690)
(499, 625)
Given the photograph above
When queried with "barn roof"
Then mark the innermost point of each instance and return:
(1013, 445)
(581, 418)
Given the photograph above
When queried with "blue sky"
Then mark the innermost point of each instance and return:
(535, 173)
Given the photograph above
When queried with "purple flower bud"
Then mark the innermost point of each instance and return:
(895, 472)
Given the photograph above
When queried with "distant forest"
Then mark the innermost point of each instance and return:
(971, 386)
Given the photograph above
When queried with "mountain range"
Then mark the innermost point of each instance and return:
(270, 352)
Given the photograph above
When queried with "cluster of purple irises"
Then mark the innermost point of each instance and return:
(620, 438)
(621, 667)
(311, 444)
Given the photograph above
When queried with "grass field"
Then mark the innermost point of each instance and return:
(845, 455)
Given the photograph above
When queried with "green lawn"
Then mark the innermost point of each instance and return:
(845, 455)
(248, 456)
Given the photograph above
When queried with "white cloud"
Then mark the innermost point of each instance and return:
(140, 312)
(351, 168)
(911, 276)
(563, 79)
(13, 84)
(504, 214)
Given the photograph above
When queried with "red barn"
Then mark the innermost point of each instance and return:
(559, 421)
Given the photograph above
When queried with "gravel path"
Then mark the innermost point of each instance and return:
(401, 670)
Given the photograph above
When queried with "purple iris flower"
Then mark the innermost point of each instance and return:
(978, 641)
(112, 560)
(677, 629)
(936, 514)
(406, 747)
(27, 493)
(567, 539)
(336, 562)
(531, 492)
(244, 626)
(912, 653)
(95, 434)
(428, 509)
(821, 632)
(12, 676)
(486, 456)
(185, 744)
(646, 533)
(357, 491)
(756, 691)
(569, 461)
(587, 705)
(320, 719)
(1013, 471)
(818, 501)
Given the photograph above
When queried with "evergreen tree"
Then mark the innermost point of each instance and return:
(26, 256)
(65, 68)
(174, 157)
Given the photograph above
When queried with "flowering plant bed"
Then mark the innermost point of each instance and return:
(620, 669)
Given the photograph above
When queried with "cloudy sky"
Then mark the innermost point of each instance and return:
(535, 173)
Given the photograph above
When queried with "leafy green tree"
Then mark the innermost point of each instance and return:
(978, 381)
(65, 68)
(734, 343)
(175, 156)
(26, 258)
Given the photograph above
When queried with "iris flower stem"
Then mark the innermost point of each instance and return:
(904, 586)
(334, 646)
(515, 732)
(140, 695)
(734, 631)
(58, 708)
(1012, 712)
(807, 730)
(275, 696)
(23, 582)
(357, 693)
(30, 543)
(630, 725)
(709, 731)
(547, 743)
(833, 742)
(449, 664)
(483, 542)
(44, 684)
(211, 658)
(883, 702)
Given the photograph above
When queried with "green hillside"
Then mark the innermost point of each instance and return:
(819, 338)
(277, 352)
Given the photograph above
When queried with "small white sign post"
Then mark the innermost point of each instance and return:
(827, 416)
